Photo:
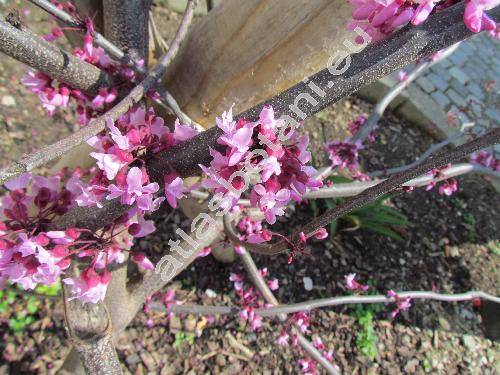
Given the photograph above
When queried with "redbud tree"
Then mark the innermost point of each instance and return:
(141, 141)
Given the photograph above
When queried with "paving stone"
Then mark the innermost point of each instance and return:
(426, 84)
(475, 90)
(446, 63)
(459, 74)
(440, 98)
(477, 109)
(437, 81)
(493, 114)
(456, 59)
(458, 87)
(442, 72)
(456, 98)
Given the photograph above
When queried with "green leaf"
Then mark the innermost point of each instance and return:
(32, 305)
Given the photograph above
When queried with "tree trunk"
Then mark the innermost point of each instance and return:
(245, 51)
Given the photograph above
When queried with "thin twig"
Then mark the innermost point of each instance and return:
(397, 89)
(325, 302)
(268, 295)
(386, 186)
(357, 187)
(111, 49)
(114, 51)
(39, 54)
(431, 150)
(97, 125)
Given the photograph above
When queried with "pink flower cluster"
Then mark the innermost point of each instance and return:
(117, 150)
(53, 95)
(344, 154)
(486, 159)
(356, 125)
(287, 336)
(402, 304)
(250, 299)
(352, 284)
(30, 254)
(380, 18)
(278, 171)
(447, 187)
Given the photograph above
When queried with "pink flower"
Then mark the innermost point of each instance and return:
(448, 187)
(121, 141)
(109, 163)
(205, 252)
(133, 191)
(89, 287)
(238, 249)
(321, 234)
(273, 284)
(402, 76)
(142, 228)
(174, 189)
(143, 261)
(20, 182)
(104, 96)
(183, 132)
(402, 304)
(352, 284)
(283, 339)
(36, 82)
(51, 99)
(54, 34)
(344, 154)
(318, 343)
(476, 19)
(270, 202)
(422, 12)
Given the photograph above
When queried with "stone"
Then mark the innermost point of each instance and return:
(441, 99)
(459, 75)
(475, 90)
(456, 98)
(148, 361)
(175, 324)
(493, 114)
(308, 283)
(411, 366)
(469, 342)
(426, 84)
(437, 81)
(444, 323)
(220, 360)
(190, 323)
(132, 359)
(8, 101)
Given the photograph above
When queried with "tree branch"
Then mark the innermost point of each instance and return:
(431, 150)
(37, 53)
(357, 187)
(325, 302)
(375, 61)
(90, 331)
(373, 192)
(110, 48)
(98, 124)
(126, 25)
(439, 31)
